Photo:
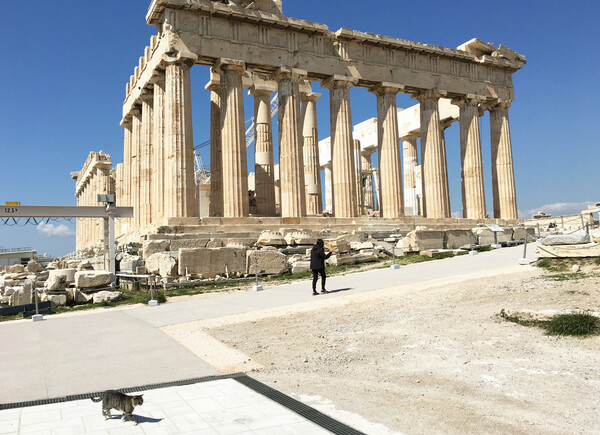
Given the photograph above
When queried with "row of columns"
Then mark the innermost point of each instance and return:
(158, 169)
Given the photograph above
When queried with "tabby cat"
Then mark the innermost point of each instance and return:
(117, 400)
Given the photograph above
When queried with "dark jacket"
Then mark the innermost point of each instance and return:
(318, 257)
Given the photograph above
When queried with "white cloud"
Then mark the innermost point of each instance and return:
(50, 230)
(558, 209)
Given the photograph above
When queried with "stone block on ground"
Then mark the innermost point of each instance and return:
(519, 233)
(357, 246)
(454, 239)
(17, 268)
(271, 238)
(106, 296)
(23, 294)
(338, 245)
(176, 245)
(88, 279)
(211, 262)
(33, 266)
(365, 257)
(300, 238)
(300, 266)
(150, 247)
(68, 274)
(422, 240)
(338, 260)
(268, 262)
(161, 264)
(56, 282)
(485, 236)
(56, 299)
(214, 243)
(568, 251)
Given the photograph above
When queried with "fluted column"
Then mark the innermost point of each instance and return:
(367, 169)
(233, 140)
(444, 126)
(411, 160)
(216, 156)
(392, 205)
(263, 151)
(180, 184)
(358, 174)
(473, 193)
(159, 155)
(146, 155)
(328, 188)
(503, 175)
(136, 141)
(291, 159)
(125, 199)
(433, 162)
(342, 147)
(312, 171)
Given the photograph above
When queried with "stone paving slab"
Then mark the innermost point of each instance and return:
(222, 406)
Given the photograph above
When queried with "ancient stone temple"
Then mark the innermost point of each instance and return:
(253, 45)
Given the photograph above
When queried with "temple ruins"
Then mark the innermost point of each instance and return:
(252, 45)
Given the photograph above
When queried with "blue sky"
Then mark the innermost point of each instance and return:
(66, 64)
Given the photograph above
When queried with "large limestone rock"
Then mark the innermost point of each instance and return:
(22, 295)
(69, 274)
(271, 238)
(161, 264)
(338, 260)
(454, 239)
(338, 245)
(422, 240)
(107, 296)
(150, 247)
(210, 262)
(300, 238)
(56, 299)
(17, 268)
(300, 266)
(93, 279)
(485, 236)
(267, 262)
(56, 282)
(33, 266)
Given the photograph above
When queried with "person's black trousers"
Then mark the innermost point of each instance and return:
(316, 274)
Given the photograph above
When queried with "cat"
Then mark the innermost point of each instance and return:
(122, 402)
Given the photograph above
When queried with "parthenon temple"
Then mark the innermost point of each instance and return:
(252, 45)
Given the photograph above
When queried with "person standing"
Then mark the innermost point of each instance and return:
(317, 265)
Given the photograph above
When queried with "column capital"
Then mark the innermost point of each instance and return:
(262, 86)
(497, 103)
(310, 97)
(428, 94)
(147, 95)
(214, 84)
(338, 81)
(158, 76)
(386, 88)
(446, 123)
(136, 111)
(225, 65)
(290, 73)
(126, 121)
(412, 136)
(468, 100)
(180, 58)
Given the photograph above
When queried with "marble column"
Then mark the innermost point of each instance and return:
(503, 176)
(146, 155)
(342, 147)
(444, 126)
(433, 162)
(216, 156)
(367, 169)
(471, 173)
(233, 140)
(411, 160)
(124, 201)
(328, 188)
(392, 204)
(291, 158)
(263, 151)
(358, 172)
(312, 170)
(180, 183)
(136, 141)
(159, 154)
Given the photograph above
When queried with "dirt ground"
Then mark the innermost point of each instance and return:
(435, 360)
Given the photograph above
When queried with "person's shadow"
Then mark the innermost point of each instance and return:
(339, 290)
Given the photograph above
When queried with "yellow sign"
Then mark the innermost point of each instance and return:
(13, 203)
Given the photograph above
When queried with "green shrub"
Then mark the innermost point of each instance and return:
(573, 324)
